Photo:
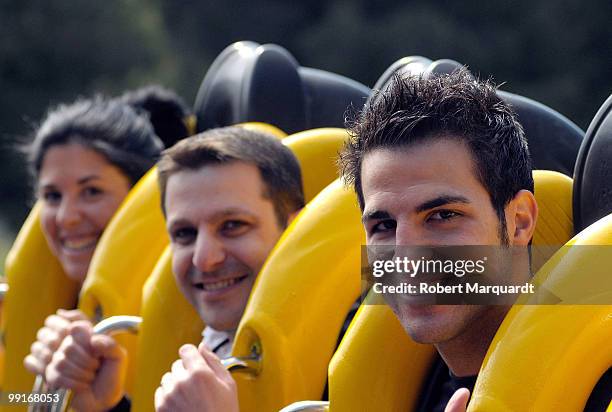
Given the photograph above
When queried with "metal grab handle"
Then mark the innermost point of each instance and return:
(310, 406)
(250, 365)
(118, 324)
(109, 326)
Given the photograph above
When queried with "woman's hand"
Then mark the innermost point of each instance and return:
(92, 366)
(49, 338)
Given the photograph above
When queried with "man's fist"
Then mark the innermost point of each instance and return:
(197, 382)
(458, 402)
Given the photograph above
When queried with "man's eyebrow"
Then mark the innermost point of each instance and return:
(222, 214)
(375, 215)
(440, 201)
(177, 222)
(232, 212)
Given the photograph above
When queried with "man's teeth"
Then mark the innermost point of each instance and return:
(77, 244)
(222, 284)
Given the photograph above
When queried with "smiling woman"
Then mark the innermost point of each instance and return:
(78, 202)
(84, 159)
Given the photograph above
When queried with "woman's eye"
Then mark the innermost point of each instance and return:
(184, 235)
(92, 192)
(384, 226)
(52, 197)
(443, 215)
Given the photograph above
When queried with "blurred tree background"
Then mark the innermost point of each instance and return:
(52, 51)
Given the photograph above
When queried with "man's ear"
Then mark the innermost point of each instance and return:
(524, 212)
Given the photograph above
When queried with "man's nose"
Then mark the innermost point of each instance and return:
(413, 241)
(69, 213)
(209, 252)
(406, 234)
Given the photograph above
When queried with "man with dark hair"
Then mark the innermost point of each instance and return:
(227, 195)
(443, 161)
(456, 108)
(436, 162)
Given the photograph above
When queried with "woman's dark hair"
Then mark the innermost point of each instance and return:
(165, 109)
(111, 128)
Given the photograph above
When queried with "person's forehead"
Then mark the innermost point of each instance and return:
(216, 190)
(418, 171)
(74, 161)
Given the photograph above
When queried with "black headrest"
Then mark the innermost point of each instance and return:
(593, 172)
(553, 139)
(411, 65)
(250, 82)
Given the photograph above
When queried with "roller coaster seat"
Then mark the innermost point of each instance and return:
(124, 258)
(592, 188)
(316, 151)
(30, 299)
(251, 82)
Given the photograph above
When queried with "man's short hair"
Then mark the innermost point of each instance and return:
(456, 106)
(278, 166)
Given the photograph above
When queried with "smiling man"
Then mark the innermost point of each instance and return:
(443, 161)
(227, 194)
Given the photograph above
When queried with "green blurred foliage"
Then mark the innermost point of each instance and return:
(53, 52)
(559, 53)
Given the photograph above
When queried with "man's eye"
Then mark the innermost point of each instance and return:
(234, 227)
(184, 235)
(442, 215)
(384, 226)
(52, 197)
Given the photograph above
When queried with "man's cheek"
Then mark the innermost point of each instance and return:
(181, 260)
(180, 269)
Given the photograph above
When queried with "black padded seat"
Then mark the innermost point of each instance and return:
(554, 140)
(411, 65)
(593, 172)
(264, 83)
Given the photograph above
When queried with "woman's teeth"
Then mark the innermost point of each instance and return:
(79, 244)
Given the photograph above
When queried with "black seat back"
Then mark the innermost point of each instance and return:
(264, 83)
(593, 172)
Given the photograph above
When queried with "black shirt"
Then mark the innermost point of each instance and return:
(442, 384)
